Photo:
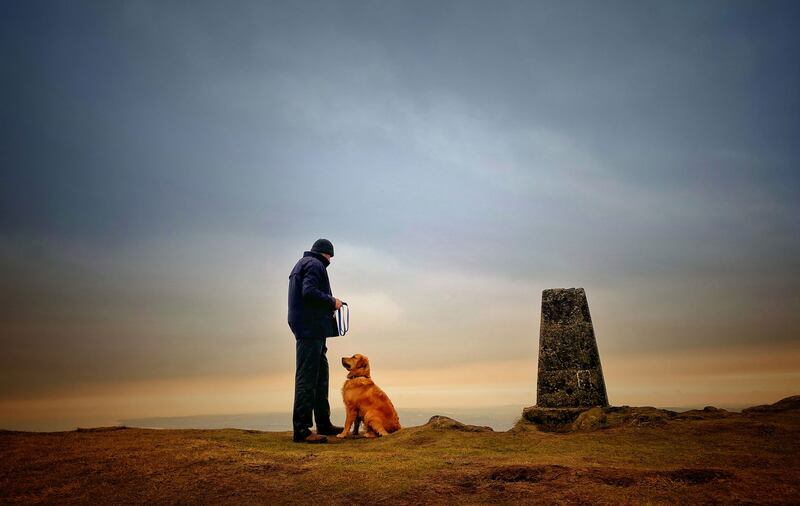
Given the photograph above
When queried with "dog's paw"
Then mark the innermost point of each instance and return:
(342, 435)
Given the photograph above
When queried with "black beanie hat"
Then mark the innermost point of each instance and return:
(322, 246)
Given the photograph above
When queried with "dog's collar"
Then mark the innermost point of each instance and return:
(359, 376)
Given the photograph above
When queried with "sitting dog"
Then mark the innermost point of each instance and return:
(365, 402)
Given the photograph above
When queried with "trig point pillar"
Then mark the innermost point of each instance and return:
(570, 375)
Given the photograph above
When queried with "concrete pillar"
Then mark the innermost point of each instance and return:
(570, 375)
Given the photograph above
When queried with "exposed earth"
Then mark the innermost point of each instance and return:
(607, 456)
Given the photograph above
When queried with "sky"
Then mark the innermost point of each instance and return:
(163, 165)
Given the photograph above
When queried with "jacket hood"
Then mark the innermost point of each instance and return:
(318, 256)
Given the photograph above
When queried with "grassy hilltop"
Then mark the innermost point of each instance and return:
(636, 456)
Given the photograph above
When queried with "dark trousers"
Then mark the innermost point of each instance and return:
(311, 386)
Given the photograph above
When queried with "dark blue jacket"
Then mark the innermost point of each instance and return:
(311, 303)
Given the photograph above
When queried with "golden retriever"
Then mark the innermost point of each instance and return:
(365, 401)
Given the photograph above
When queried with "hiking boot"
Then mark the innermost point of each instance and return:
(310, 438)
(329, 430)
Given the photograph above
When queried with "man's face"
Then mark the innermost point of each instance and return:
(327, 256)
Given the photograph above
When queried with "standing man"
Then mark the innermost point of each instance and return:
(311, 307)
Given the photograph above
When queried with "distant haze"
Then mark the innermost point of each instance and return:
(164, 164)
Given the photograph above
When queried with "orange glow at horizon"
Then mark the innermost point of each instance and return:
(736, 376)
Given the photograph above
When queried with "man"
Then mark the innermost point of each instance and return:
(311, 307)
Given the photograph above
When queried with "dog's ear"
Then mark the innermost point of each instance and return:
(362, 362)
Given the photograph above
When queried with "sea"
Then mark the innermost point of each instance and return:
(500, 418)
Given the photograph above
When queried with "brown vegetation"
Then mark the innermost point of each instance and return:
(703, 456)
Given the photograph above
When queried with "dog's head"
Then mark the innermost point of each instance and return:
(358, 365)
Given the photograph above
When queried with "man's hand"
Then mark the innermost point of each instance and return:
(338, 303)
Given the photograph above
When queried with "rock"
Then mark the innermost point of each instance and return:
(787, 404)
(438, 422)
(521, 426)
(644, 416)
(598, 417)
(100, 429)
(570, 375)
(552, 419)
(607, 417)
(708, 412)
(589, 420)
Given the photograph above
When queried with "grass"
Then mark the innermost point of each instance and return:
(737, 458)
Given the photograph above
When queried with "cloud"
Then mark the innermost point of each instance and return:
(166, 166)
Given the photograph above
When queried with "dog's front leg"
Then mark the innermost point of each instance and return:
(351, 417)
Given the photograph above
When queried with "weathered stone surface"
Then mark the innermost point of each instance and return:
(639, 416)
(589, 419)
(787, 404)
(570, 374)
(708, 412)
(551, 419)
(439, 422)
(536, 418)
